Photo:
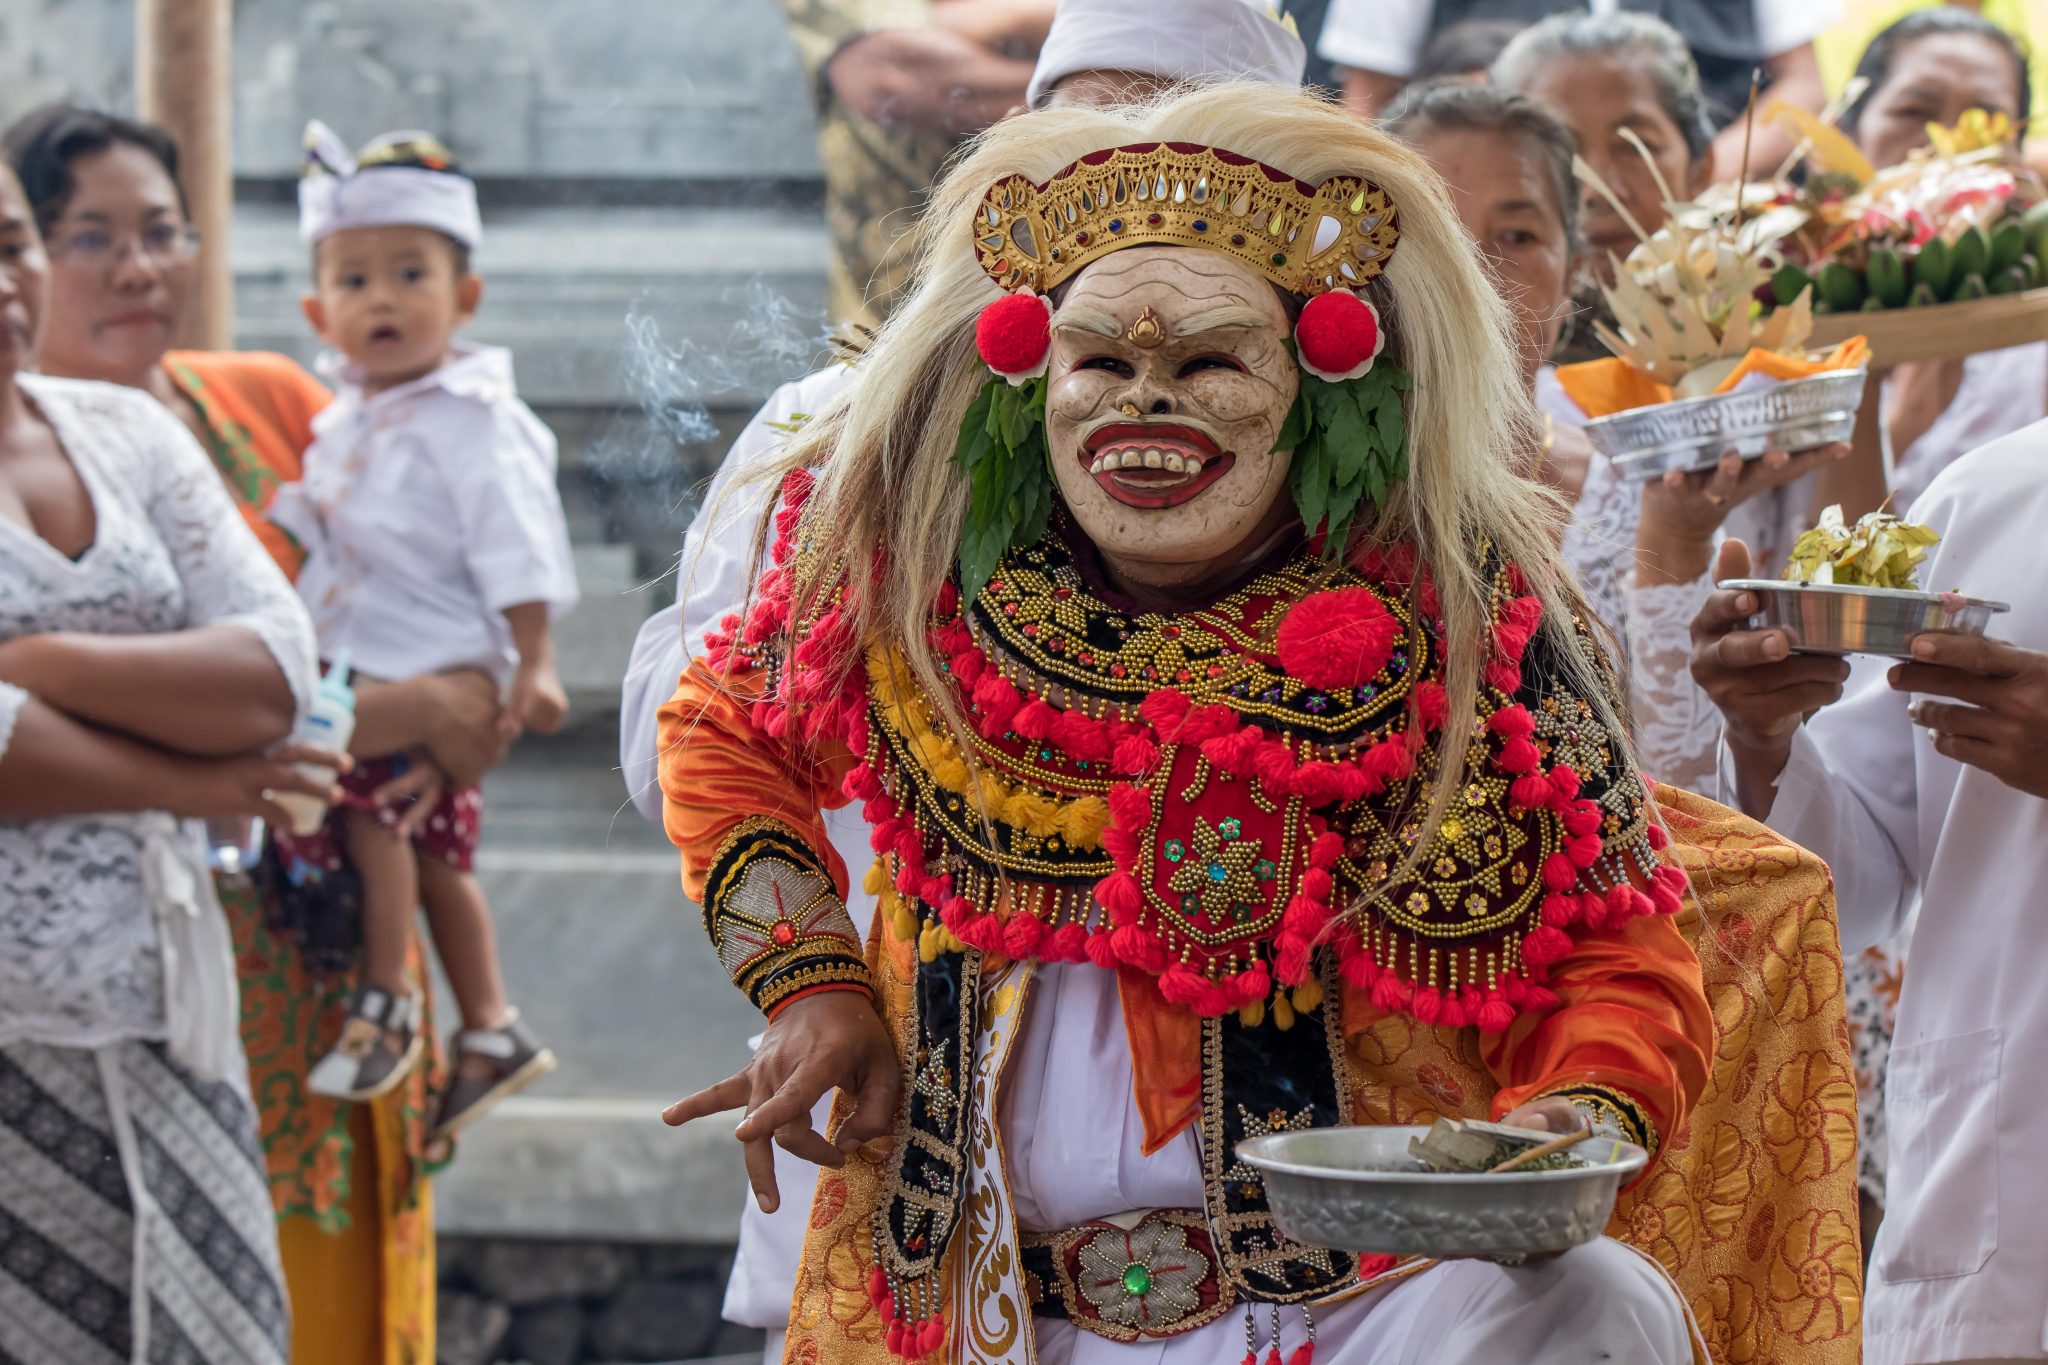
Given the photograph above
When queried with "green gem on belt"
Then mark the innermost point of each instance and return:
(1137, 1280)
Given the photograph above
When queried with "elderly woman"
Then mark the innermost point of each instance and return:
(1929, 68)
(150, 653)
(354, 1208)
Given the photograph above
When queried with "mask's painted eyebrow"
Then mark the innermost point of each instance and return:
(1081, 317)
(1229, 315)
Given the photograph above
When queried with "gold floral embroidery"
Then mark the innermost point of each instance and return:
(1810, 1116)
(1816, 1277)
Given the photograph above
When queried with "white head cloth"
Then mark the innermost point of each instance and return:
(335, 193)
(1177, 40)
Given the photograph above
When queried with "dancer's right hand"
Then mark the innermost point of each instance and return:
(834, 1039)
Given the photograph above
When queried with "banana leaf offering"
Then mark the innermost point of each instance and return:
(1879, 551)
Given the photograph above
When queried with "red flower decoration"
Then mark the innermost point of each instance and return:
(1014, 335)
(1337, 639)
(1339, 336)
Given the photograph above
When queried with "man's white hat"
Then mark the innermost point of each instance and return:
(1177, 40)
(398, 180)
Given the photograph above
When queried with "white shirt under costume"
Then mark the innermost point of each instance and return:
(109, 929)
(1960, 1269)
(717, 564)
(1072, 1144)
(425, 511)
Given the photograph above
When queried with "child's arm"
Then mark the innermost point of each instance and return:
(537, 701)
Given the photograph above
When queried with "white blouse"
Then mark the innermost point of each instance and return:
(1676, 728)
(81, 953)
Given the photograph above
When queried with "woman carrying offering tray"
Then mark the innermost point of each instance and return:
(1238, 762)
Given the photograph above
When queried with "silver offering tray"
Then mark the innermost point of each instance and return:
(1358, 1189)
(1836, 618)
(1694, 433)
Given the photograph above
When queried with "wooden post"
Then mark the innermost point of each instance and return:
(183, 64)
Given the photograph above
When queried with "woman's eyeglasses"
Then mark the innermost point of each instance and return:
(165, 244)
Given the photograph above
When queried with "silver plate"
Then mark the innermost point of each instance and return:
(1836, 618)
(1694, 433)
(1357, 1189)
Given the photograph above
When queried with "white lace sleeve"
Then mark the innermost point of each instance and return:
(12, 699)
(228, 577)
(1678, 730)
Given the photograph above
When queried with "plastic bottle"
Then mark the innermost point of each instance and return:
(330, 722)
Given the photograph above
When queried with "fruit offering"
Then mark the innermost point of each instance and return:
(1879, 551)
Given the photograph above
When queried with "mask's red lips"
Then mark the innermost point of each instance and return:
(1153, 465)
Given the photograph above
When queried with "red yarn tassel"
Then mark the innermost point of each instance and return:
(1496, 1014)
(1021, 936)
(1036, 719)
(1304, 1354)
(1273, 1357)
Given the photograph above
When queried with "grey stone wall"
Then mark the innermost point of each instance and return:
(696, 89)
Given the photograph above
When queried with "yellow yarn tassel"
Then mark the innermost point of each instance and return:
(1308, 995)
(950, 943)
(903, 921)
(1283, 1013)
(1252, 1014)
(928, 945)
(877, 879)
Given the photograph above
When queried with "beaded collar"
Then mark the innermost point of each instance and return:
(1217, 796)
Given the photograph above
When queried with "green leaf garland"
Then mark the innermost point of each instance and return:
(1002, 451)
(1350, 444)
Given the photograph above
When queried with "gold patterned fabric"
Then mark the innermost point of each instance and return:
(876, 176)
(1753, 1206)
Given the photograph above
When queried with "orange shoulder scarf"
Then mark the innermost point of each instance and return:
(258, 410)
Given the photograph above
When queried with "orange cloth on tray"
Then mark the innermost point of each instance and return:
(1604, 387)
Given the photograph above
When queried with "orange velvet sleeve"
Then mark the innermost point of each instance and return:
(1633, 1032)
(718, 768)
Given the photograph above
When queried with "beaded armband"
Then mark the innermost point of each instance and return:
(1612, 1113)
(778, 923)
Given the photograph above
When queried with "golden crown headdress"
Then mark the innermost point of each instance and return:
(1307, 239)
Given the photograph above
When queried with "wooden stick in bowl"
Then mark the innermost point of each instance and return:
(1550, 1148)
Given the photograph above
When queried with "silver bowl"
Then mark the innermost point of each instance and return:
(1357, 1189)
(1835, 618)
(1694, 433)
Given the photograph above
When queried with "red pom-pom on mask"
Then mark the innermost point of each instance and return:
(1339, 336)
(1014, 336)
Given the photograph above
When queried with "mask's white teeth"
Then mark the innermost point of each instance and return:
(1131, 459)
(1174, 464)
(1154, 459)
(1101, 463)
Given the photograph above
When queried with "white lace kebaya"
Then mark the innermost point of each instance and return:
(81, 943)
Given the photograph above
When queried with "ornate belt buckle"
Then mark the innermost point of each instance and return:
(1159, 1277)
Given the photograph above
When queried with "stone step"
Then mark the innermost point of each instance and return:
(603, 1169)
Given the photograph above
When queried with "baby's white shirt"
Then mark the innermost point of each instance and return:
(425, 511)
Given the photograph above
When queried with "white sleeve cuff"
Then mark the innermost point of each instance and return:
(12, 699)
(1781, 27)
(1386, 36)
